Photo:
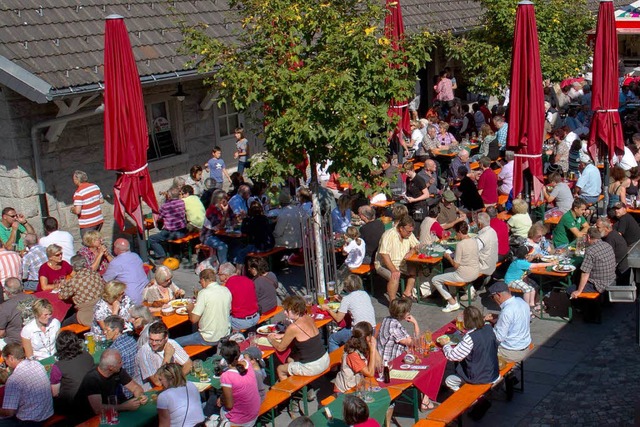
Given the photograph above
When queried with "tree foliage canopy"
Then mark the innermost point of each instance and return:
(486, 51)
(323, 73)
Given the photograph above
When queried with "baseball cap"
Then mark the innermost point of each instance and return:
(449, 196)
(497, 287)
(254, 353)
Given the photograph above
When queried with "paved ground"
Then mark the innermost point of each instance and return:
(579, 374)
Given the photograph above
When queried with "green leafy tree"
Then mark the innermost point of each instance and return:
(322, 73)
(485, 52)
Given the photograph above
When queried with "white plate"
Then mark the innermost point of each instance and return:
(548, 258)
(182, 311)
(266, 329)
(571, 269)
(405, 366)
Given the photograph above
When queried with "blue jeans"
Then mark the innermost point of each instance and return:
(241, 166)
(220, 247)
(589, 199)
(239, 324)
(30, 285)
(194, 339)
(337, 339)
(157, 239)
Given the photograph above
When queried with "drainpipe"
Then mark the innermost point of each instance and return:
(42, 193)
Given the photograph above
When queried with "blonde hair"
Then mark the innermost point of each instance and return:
(53, 249)
(398, 211)
(90, 237)
(354, 234)
(112, 290)
(520, 207)
(485, 130)
(172, 372)
(40, 306)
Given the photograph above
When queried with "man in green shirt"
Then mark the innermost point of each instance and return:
(572, 224)
(13, 227)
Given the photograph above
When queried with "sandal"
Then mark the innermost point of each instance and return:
(430, 407)
(411, 297)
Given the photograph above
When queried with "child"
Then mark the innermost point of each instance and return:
(359, 358)
(217, 168)
(254, 356)
(515, 276)
(520, 222)
(355, 248)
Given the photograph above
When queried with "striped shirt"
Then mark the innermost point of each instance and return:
(32, 262)
(174, 214)
(10, 265)
(149, 361)
(88, 198)
(461, 351)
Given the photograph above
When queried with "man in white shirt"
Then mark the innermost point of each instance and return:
(59, 237)
(505, 176)
(627, 161)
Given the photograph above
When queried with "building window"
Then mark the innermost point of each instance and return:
(228, 119)
(161, 140)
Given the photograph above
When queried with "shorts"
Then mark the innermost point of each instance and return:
(309, 369)
(522, 285)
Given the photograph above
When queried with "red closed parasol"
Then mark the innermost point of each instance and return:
(605, 124)
(394, 31)
(526, 101)
(126, 138)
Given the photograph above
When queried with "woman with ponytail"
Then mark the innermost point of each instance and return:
(359, 359)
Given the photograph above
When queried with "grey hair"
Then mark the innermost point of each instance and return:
(142, 312)
(179, 181)
(30, 239)
(484, 219)
(217, 196)
(209, 183)
(431, 127)
(227, 269)
(509, 155)
(163, 273)
(78, 262)
(606, 223)
(173, 193)
(109, 358)
(81, 176)
(368, 212)
(114, 322)
(13, 286)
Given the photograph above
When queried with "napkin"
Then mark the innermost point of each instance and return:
(396, 374)
(263, 341)
(201, 386)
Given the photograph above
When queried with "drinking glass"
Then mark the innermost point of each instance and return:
(112, 410)
(251, 336)
(321, 298)
(197, 367)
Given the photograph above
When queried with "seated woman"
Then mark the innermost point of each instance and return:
(218, 215)
(240, 401)
(266, 284)
(308, 356)
(341, 215)
(520, 222)
(141, 318)
(476, 355)
(161, 290)
(430, 228)
(39, 334)
(66, 375)
(359, 359)
(54, 271)
(467, 191)
(465, 266)
(113, 303)
(179, 403)
(357, 303)
(95, 252)
(618, 187)
(537, 241)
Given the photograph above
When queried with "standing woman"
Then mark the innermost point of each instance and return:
(242, 150)
(195, 180)
(179, 403)
(240, 401)
(39, 335)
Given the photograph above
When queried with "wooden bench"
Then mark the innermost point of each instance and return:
(595, 308)
(196, 350)
(461, 285)
(366, 271)
(271, 401)
(186, 240)
(267, 254)
(76, 328)
(429, 423)
(502, 199)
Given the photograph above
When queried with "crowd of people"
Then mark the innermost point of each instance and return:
(48, 284)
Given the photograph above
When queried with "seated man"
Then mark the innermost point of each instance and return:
(589, 185)
(159, 351)
(244, 301)
(194, 208)
(18, 303)
(560, 193)
(598, 269)
(448, 214)
(32, 261)
(13, 227)
(104, 381)
(64, 239)
(27, 395)
(626, 224)
(502, 232)
(371, 231)
(619, 245)
(173, 213)
(239, 203)
(126, 346)
(572, 225)
(127, 267)
(84, 288)
(211, 312)
(512, 325)
(396, 245)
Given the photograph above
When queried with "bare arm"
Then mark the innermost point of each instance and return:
(55, 390)
(584, 278)
(227, 397)
(423, 196)
(164, 419)
(28, 348)
(285, 339)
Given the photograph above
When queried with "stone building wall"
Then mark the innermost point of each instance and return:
(80, 146)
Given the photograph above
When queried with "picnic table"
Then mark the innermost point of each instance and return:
(145, 415)
(377, 410)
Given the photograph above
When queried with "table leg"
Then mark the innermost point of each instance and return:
(272, 370)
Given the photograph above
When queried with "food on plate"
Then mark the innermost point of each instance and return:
(267, 329)
(181, 310)
(179, 303)
(334, 306)
(443, 339)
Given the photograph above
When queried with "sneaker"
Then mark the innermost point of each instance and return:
(449, 308)
(465, 297)
(311, 395)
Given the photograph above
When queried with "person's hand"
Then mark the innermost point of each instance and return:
(411, 319)
(169, 351)
(131, 404)
(15, 225)
(21, 218)
(324, 307)
(143, 399)
(190, 307)
(115, 308)
(371, 341)
(490, 317)
(219, 402)
(180, 293)
(575, 294)
(235, 155)
(395, 275)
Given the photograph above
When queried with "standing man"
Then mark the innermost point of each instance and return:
(159, 351)
(598, 267)
(27, 395)
(103, 381)
(211, 312)
(174, 214)
(61, 238)
(396, 245)
(86, 203)
(127, 267)
(417, 193)
(217, 168)
(32, 261)
(13, 227)
(512, 325)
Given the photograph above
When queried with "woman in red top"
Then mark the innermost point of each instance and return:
(54, 271)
